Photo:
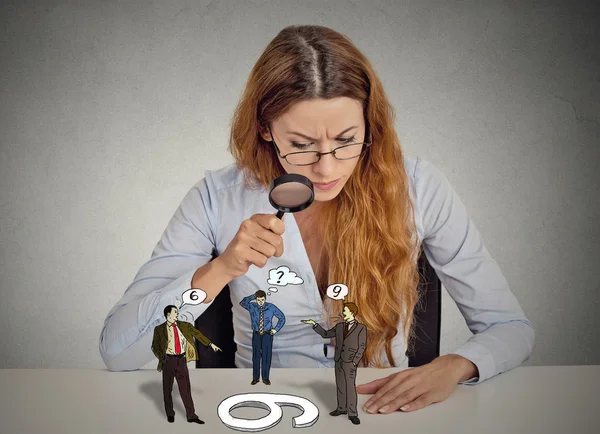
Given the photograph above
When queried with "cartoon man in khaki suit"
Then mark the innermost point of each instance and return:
(350, 345)
(173, 346)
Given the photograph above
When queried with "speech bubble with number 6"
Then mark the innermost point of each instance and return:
(337, 291)
(192, 296)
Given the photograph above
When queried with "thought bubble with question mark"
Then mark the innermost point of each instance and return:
(282, 276)
(337, 291)
(192, 296)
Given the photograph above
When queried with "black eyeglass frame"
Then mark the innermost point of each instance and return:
(365, 145)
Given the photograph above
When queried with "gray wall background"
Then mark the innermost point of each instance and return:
(112, 110)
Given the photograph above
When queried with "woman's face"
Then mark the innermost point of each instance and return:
(320, 125)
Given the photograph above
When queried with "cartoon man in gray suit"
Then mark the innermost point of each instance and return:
(350, 345)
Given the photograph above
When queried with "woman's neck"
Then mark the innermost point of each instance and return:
(310, 213)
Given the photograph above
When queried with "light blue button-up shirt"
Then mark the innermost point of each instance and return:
(210, 216)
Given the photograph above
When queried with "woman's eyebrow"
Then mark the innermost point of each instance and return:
(310, 138)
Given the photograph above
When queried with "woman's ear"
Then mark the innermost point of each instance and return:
(265, 133)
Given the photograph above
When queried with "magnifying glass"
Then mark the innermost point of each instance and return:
(291, 192)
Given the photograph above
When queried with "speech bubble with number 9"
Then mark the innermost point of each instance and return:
(337, 291)
(193, 296)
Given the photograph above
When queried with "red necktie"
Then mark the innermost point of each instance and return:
(177, 345)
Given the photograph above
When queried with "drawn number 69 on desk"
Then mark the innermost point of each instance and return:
(271, 402)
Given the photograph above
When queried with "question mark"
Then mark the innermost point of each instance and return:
(280, 277)
(339, 289)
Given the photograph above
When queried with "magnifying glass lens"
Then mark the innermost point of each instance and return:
(291, 194)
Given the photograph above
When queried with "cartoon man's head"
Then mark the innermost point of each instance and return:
(349, 311)
(261, 297)
(171, 313)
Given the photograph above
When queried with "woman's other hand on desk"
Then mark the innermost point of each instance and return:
(415, 388)
(257, 239)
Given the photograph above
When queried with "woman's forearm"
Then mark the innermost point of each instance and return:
(125, 339)
(211, 278)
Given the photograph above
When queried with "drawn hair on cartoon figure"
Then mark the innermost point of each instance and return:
(351, 307)
(168, 309)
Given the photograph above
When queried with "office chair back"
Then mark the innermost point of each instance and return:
(217, 324)
(428, 316)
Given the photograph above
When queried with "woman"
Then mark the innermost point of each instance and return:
(313, 91)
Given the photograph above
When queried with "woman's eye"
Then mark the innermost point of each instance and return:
(308, 145)
(301, 145)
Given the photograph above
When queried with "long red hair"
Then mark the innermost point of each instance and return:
(375, 251)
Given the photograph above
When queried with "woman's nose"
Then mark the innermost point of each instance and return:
(326, 164)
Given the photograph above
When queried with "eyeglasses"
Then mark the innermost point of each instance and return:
(308, 158)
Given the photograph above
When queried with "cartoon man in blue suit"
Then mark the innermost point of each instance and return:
(261, 315)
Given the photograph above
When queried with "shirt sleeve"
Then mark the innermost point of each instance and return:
(245, 303)
(277, 313)
(503, 337)
(187, 243)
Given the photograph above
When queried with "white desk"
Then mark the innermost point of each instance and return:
(544, 400)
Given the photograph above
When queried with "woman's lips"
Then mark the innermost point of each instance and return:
(328, 186)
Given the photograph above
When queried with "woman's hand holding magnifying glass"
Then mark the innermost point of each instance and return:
(257, 239)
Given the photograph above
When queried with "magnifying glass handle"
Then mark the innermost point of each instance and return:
(280, 214)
